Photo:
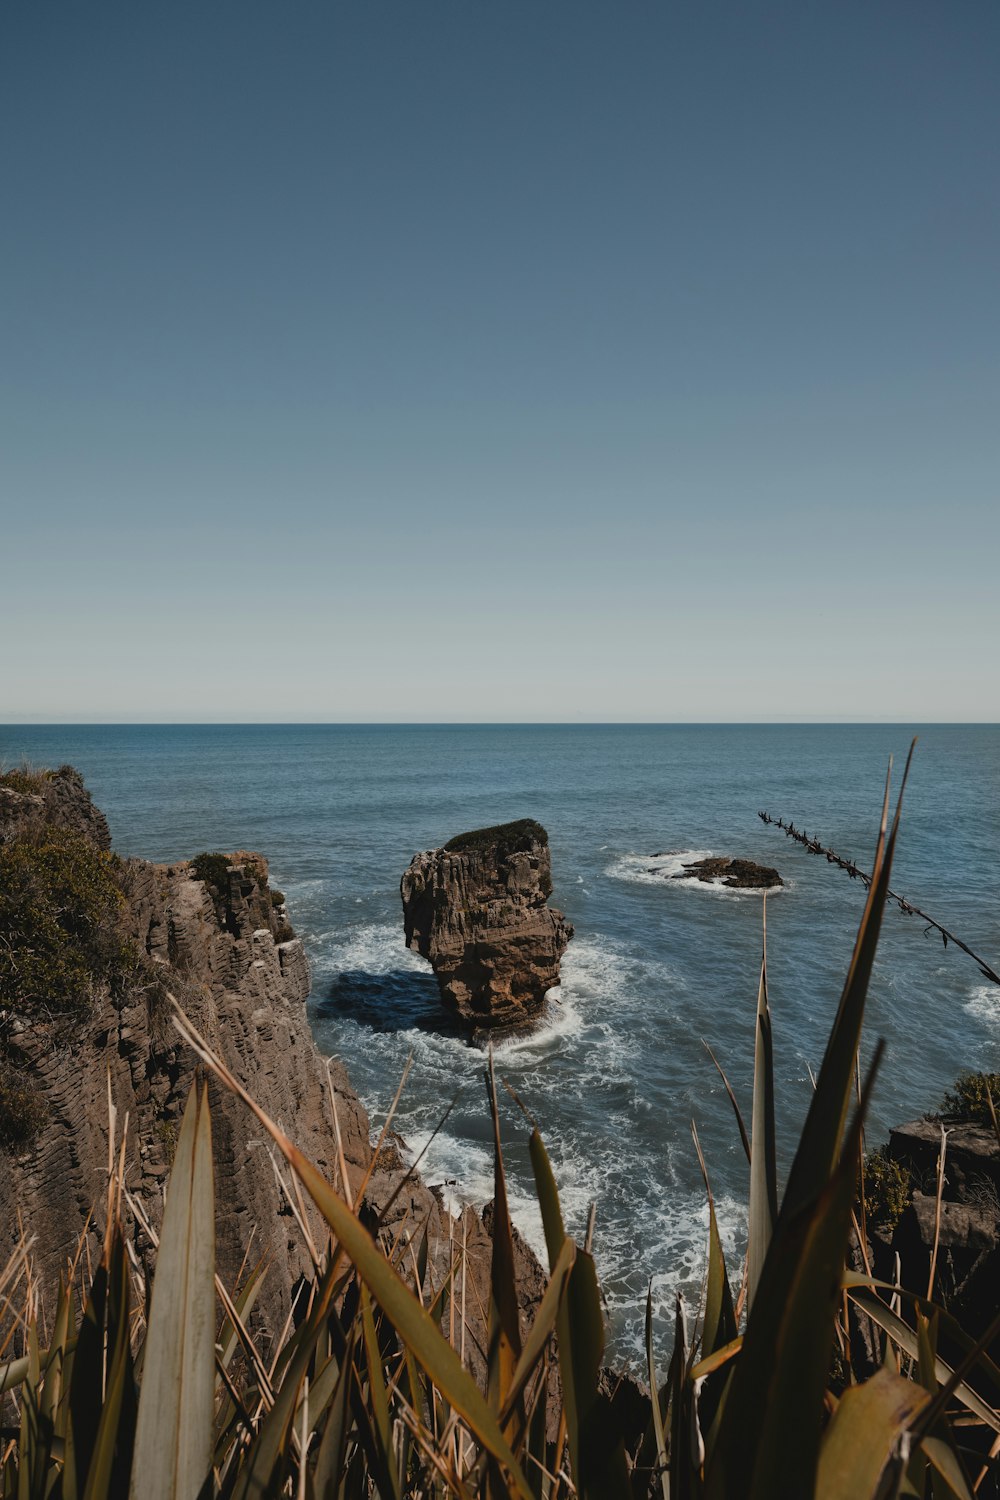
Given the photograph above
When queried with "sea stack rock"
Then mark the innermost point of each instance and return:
(477, 910)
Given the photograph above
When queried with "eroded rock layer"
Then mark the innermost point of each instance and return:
(477, 910)
(211, 933)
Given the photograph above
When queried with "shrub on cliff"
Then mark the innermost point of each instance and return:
(970, 1099)
(24, 779)
(213, 869)
(60, 923)
(505, 838)
(887, 1190)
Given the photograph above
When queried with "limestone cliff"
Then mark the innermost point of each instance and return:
(477, 910)
(213, 934)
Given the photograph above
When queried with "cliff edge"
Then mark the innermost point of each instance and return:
(93, 948)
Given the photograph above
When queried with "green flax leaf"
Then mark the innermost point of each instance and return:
(173, 1440)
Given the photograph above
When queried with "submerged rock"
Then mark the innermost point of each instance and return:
(477, 910)
(735, 874)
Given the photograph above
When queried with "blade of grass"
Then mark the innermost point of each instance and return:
(173, 1439)
(866, 1428)
(768, 1443)
(504, 1330)
(822, 1133)
(763, 1168)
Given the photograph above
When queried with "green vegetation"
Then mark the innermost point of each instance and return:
(886, 1190)
(22, 1109)
(969, 1101)
(213, 869)
(60, 924)
(507, 838)
(24, 779)
(369, 1396)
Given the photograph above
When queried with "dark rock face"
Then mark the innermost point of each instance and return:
(477, 910)
(968, 1265)
(736, 874)
(968, 1260)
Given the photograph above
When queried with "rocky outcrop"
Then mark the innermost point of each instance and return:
(477, 910)
(218, 953)
(32, 800)
(734, 874)
(211, 933)
(968, 1263)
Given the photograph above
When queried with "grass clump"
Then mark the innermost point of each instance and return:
(506, 838)
(22, 1109)
(60, 923)
(886, 1190)
(969, 1100)
(24, 779)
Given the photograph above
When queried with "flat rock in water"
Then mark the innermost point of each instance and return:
(735, 874)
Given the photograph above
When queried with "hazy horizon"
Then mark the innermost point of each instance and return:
(445, 364)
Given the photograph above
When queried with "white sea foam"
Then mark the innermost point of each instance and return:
(667, 870)
(984, 1005)
(373, 948)
(591, 1040)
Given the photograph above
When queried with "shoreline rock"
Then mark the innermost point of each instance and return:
(477, 910)
(734, 874)
(212, 933)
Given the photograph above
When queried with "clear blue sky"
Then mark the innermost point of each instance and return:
(454, 360)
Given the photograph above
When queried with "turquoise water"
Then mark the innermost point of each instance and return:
(619, 1070)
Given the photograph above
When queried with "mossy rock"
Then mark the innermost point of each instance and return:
(506, 838)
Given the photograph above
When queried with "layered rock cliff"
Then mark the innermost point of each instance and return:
(211, 933)
(477, 910)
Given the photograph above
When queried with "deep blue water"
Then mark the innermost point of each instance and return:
(619, 1071)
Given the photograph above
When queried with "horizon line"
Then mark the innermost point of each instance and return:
(789, 723)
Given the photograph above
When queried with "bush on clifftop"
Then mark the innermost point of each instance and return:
(887, 1190)
(969, 1099)
(24, 779)
(506, 838)
(60, 923)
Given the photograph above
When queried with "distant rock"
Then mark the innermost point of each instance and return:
(477, 910)
(734, 874)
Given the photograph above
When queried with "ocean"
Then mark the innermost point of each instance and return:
(658, 968)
